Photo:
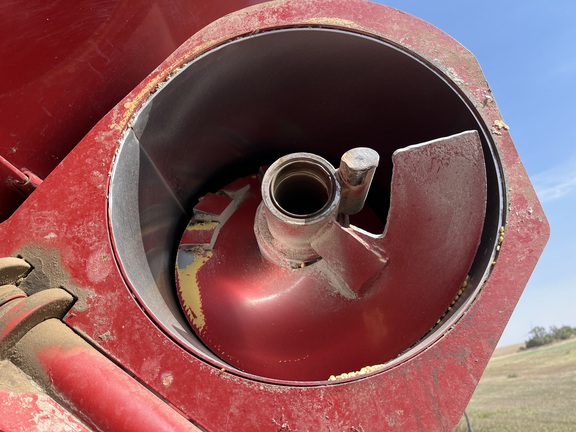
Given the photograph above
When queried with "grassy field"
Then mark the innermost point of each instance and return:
(531, 390)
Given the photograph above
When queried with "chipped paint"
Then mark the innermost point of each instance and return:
(202, 226)
(498, 126)
(167, 379)
(453, 75)
(189, 288)
(338, 22)
(199, 49)
(132, 104)
(104, 336)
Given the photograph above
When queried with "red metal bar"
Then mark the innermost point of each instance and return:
(23, 180)
(76, 375)
(11, 171)
(35, 411)
(25, 407)
(91, 386)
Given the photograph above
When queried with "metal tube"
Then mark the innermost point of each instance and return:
(76, 375)
(90, 385)
(300, 194)
(23, 180)
(11, 171)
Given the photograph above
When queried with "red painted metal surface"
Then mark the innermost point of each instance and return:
(66, 63)
(77, 376)
(427, 389)
(97, 391)
(343, 312)
(35, 411)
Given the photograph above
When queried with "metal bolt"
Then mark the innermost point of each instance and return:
(356, 171)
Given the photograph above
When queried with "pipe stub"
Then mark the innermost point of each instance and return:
(301, 187)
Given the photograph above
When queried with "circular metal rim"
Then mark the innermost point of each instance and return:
(270, 184)
(450, 319)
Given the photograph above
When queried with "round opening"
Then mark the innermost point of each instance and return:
(253, 100)
(302, 189)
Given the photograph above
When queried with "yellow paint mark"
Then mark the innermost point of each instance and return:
(198, 49)
(501, 125)
(190, 291)
(202, 226)
(131, 105)
(332, 21)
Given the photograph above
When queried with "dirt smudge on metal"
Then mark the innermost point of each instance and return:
(48, 272)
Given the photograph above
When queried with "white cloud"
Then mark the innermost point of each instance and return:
(557, 182)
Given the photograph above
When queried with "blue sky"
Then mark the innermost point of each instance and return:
(527, 50)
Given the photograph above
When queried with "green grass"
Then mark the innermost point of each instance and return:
(532, 390)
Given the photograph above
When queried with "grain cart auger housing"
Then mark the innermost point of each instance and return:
(310, 216)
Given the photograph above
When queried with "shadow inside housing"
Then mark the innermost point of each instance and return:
(301, 189)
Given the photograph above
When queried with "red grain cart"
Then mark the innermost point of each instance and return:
(302, 215)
